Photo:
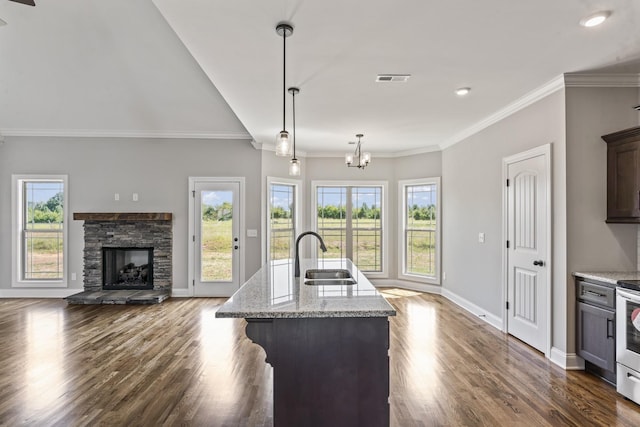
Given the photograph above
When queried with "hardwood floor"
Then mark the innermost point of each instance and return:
(176, 364)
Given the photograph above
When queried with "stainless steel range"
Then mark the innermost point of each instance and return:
(628, 339)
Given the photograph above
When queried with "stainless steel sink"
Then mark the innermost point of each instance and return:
(335, 277)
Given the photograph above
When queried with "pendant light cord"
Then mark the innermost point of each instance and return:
(294, 125)
(284, 77)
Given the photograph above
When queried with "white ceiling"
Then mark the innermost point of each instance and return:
(116, 67)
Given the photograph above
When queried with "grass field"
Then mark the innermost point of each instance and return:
(366, 252)
(217, 250)
(43, 252)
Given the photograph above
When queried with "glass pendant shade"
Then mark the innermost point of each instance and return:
(283, 147)
(294, 167)
(366, 157)
(348, 158)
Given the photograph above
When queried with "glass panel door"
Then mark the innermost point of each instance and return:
(216, 238)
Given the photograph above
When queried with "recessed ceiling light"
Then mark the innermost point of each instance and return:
(463, 91)
(595, 19)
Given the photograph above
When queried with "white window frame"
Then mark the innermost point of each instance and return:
(402, 212)
(385, 217)
(297, 197)
(16, 232)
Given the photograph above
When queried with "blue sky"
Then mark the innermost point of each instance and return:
(216, 197)
(42, 191)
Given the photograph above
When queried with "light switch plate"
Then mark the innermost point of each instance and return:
(481, 237)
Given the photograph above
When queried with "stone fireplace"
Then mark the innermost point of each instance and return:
(127, 251)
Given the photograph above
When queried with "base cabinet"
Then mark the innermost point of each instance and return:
(596, 328)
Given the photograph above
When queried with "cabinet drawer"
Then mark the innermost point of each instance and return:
(596, 294)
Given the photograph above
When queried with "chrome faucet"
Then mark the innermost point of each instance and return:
(322, 246)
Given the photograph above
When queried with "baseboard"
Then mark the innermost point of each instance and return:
(491, 319)
(180, 293)
(37, 293)
(567, 361)
(405, 284)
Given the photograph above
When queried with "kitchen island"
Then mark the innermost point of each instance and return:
(328, 344)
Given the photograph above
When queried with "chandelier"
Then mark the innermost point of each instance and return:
(362, 159)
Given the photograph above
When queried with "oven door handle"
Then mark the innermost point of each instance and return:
(633, 378)
(628, 295)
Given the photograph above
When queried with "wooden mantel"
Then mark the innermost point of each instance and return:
(123, 216)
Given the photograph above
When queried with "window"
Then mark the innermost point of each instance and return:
(40, 235)
(350, 218)
(282, 218)
(420, 229)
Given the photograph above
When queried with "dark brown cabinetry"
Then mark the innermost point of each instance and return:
(596, 327)
(623, 176)
(327, 371)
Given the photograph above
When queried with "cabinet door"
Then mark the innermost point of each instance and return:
(623, 174)
(596, 336)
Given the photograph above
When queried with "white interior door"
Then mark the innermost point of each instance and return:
(527, 254)
(216, 238)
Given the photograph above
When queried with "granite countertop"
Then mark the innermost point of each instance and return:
(274, 292)
(611, 277)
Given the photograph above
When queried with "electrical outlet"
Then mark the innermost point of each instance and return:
(481, 237)
(444, 275)
(135, 197)
(73, 276)
(116, 197)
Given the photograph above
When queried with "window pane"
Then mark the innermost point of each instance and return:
(367, 227)
(217, 236)
(42, 230)
(282, 221)
(420, 229)
(349, 220)
(332, 222)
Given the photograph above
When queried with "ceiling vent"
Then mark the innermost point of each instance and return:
(393, 78)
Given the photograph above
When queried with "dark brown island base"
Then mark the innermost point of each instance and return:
(328, 342)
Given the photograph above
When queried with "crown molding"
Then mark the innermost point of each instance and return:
(602, 80)
(90, 133)
(530, 98)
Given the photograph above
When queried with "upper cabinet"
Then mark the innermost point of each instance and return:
(623, 176)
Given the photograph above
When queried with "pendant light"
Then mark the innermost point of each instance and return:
(283, 147)
(294, 164)
(363, 159)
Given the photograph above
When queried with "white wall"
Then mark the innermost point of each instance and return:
(157, 170)
(472, 203)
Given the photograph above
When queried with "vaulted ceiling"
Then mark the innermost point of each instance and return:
(196, 68)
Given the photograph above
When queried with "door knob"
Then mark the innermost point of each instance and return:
(539, 263)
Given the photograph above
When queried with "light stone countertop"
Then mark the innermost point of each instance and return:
(611, 277)
(273, 292)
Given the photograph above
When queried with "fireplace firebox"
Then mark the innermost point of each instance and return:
(127, 268)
